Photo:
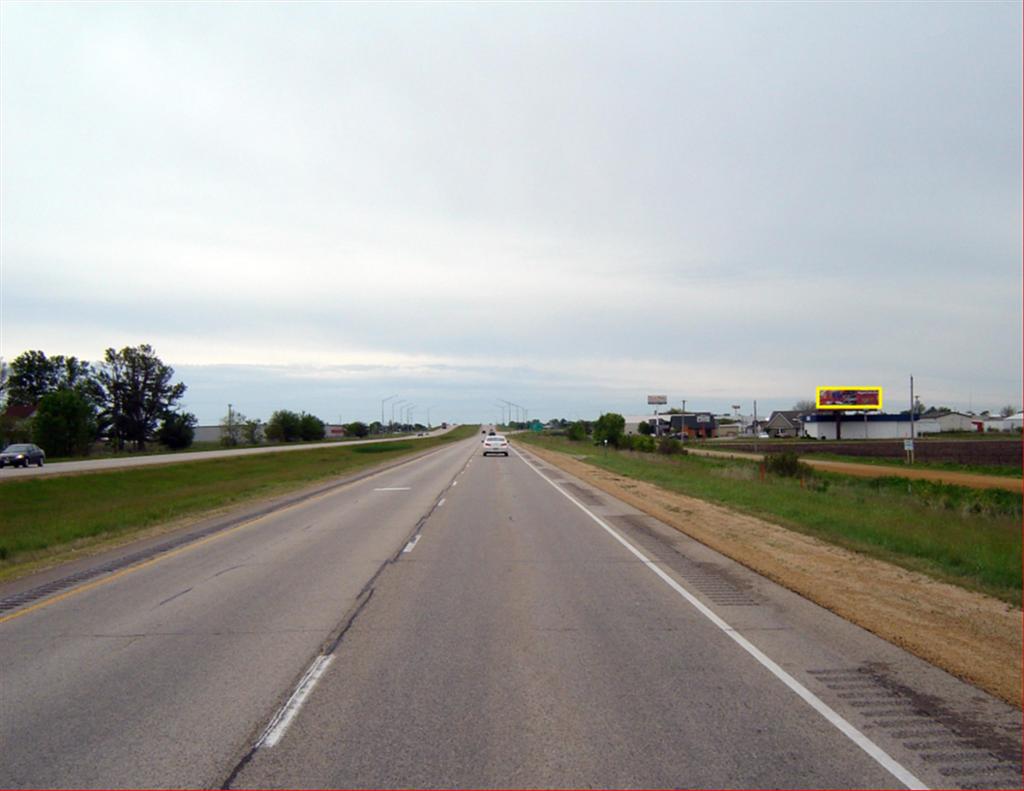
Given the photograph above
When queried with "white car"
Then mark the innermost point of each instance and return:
(495, 444)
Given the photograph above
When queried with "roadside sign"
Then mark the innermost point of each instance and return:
(842, 397)
(657, 399)
(908, 444)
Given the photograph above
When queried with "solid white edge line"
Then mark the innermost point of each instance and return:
(393, 489)
(441, 501)
(882, 758)
(279, 724)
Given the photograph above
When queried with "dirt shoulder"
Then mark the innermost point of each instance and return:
(972, 636)
(970, 479)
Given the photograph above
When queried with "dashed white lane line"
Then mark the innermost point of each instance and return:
(879, 755)
(412, 544)
(279, 725)
(393, 489)
(441, 501)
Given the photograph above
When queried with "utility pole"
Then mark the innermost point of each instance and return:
(757, 429)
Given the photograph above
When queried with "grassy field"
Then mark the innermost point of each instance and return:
(40, 514)
(895, 461)
(154, 449)
(966, 536)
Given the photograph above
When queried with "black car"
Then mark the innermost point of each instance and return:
(22, 455)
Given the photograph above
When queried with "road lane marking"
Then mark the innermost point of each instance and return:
(412, 544)
(279, 724)
(188, 547)
(393, 489)
(441, 501)
(879, 755)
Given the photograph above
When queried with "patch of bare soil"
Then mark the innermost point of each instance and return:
(974, 637)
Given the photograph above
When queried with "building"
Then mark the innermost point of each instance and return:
(821, 425)
(16, 423)
(785, 423)
(695, 425)
(951, 421)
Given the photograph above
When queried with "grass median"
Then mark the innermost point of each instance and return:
(43, 515)
(969, 537)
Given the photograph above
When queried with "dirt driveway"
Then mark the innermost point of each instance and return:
(880, 470)
(972, 636)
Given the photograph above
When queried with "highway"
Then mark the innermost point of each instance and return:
(460, 621)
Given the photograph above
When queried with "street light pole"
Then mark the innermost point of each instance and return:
(382, 402)
(393, 405)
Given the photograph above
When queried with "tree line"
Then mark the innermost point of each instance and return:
(128, 399)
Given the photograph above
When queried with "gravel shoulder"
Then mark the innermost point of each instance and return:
(972, 636)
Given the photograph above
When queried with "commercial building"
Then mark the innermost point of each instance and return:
(838, 425)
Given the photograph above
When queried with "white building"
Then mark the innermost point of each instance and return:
(866, 426)
(952, 421)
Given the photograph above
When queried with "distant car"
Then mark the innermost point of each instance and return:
(496, 444)
(22, 455)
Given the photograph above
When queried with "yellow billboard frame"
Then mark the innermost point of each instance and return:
(846, 407)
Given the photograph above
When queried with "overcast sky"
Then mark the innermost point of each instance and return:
(568, 206)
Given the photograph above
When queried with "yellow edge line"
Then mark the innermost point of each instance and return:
(190, 546)
(175, 552)
(123, 572)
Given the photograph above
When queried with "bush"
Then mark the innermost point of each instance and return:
(611, 426)
(357, 429)
(642, 443)
(65, 424)
(671, 447)
(177, 430)
(578, 431)
(787, 465)
(646, 428)
(284, 426)
(311, 427)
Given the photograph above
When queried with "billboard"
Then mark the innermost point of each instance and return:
(657, 399)
(848, 398)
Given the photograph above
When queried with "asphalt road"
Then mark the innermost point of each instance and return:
(460, 621)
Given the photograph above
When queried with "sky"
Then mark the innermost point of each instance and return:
(316, 206)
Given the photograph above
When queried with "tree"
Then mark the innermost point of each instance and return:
(251, 432)
(376, 427)
(609, 427)
(311, 427)
(577, 431)
(805, 406)
(645, 428)
(232, 427)
(1008, 410)
(33, 375)
(177, 430)
(284, 426)
(137, 394)
(357, 429)
(64, 424)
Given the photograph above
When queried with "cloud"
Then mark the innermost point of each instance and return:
(604, 199)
